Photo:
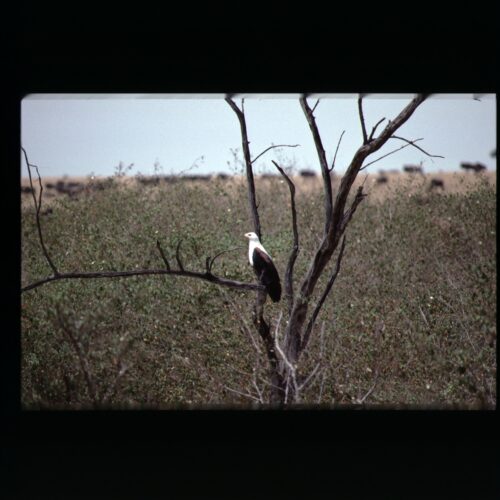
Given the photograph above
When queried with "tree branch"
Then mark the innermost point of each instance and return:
(387, 154)
(315, 106)
(375, 128)
(272, 147)
(122, 369)
(362, 119)
(264, 330)
(336, 150)
(291, 369)
(233, 308)
(167, 265)
(325, 171)
(357, 162)
(295, 247)
(331, 239)
(408, 143)
(217, 280)
(412, 143)
(322, 299)
(38, 206)
(362, 400)
(259, 322)
(248, 162)
(177, 256)
(82, 358)
(221, 253)
(350, 212)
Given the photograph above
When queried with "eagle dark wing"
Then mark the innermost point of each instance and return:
(267, 274)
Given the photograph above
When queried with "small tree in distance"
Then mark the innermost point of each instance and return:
(284, 344)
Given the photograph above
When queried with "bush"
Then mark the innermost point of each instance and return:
(411, 315)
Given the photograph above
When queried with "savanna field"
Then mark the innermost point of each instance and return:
(411, 319)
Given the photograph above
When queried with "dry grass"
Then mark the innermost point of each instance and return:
(454, 182)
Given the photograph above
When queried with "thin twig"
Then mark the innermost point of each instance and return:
(323, 297)
(350, 212)
(295, 248)
(122, 369)
(162, 255)
(244, 394)
(84, 365)
(387, 154)
(362, 119)
(336, 150)
(291, 369)
(309, 377)
(321, 352)
(412, 143)
(222, 253)
(177, 256)
(244, 326)
(315, 106)
(423, 316)
(113, 386)
(38, 206)
(272, 147)
(375, 128)
(257, 388)
(362, 400)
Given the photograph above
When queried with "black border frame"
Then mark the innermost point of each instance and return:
(244, 453)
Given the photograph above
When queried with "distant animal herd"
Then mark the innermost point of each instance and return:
(73, 189)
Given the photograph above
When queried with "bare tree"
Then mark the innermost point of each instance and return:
(284, 372)
(298, 330)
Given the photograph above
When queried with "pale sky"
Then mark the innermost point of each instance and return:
(70, 134)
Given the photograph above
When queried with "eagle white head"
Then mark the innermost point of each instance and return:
(252, 236)
(253, 243)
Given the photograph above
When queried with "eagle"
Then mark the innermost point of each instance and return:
(264, 267)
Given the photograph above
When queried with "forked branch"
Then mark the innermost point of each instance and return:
(272, 147)
(337, 224)
(375, 128)
(295, 248)
(350, 212)
(167, 265)
(38, 206)
(412, 143)
(178, 257)
(362, 119)
(325, 171)
(408, 143)
(336, 151)
(248, 163)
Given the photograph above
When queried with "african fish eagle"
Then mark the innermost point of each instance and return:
(264, 267)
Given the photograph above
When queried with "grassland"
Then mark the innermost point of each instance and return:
(411, 319)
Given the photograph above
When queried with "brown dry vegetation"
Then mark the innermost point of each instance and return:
(454, 182)
(410, 320)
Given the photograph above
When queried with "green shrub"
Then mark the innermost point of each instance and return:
(413, 308)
